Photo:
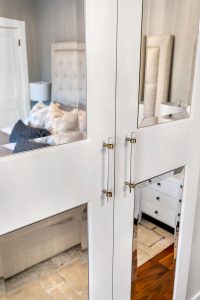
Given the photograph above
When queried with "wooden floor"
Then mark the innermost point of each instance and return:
(155, 279)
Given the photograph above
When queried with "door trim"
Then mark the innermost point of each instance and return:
(20, 26)
(129, 36)
(38, 184)
(190, 192)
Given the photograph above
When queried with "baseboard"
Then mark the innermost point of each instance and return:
(196, 297)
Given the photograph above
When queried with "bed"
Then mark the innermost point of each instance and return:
(38, 242)
(65, 117)
(156, 67)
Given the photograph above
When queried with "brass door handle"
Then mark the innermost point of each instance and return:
(131, 140)
(108, 194)
(110, 147)
(130, 182)
(130, 185)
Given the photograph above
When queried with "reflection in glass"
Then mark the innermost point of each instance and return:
(168, 53)
(156, 227)
(47, 260)
(42, 74)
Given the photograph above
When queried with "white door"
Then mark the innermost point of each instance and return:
(13, 72)
(40, 184)
(159, 148)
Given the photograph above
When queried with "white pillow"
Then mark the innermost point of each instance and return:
(60, 121)
(82, 118)
(38, 115)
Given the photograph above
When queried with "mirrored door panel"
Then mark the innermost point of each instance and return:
(157, 214)
(47, 260)
(42, 74)
(168, 55)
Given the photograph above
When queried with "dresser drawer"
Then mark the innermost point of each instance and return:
(160, 214)
(160, 200)
(168, 187)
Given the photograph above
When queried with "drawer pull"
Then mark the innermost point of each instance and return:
(159, 184)
(156, 212)
(158, 198)
(180, 201)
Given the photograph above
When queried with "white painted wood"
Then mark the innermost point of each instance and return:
(164, 201)
(39, 184)
(190, 192)
(196, 297)
(161, 200)
(169, 187)
(159, 213)
(164, 144)
(172, 108)
(14, 100)
(159, 149)
(128, 60)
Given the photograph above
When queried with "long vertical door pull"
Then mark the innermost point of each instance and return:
(110, 148)
(132, 140)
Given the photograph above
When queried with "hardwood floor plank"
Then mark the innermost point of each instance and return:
(168, 261)
(155, 279)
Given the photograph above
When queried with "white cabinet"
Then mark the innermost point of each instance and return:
(161, 200)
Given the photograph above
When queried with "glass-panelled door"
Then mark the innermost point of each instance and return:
(157, 147)
(57, 111)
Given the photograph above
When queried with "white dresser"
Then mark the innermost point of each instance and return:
(162, 200)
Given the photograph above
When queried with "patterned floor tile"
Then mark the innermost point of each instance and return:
(62, 277)
(151, 240)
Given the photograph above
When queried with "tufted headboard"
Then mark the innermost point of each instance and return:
(69, 73)
(157, 71)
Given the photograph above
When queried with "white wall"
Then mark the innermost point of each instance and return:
(179, 18)
(58, 21)
(47, 22)
(194, 274)
(80, 20)
(25, 10)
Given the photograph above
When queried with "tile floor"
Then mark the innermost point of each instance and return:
(151, 240)
(62, 277)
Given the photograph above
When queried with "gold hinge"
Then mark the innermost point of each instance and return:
(131, 140)
(108, 194)
(108, 146)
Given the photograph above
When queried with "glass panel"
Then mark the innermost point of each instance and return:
(157, 216)
(168, 53)
(42, 74)
(47, 260)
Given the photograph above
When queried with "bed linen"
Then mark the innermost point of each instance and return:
(60, 133)
(22, 132)
(62, 138)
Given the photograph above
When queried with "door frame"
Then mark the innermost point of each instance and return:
(50, 176)
(20, 27)
(128, 62)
